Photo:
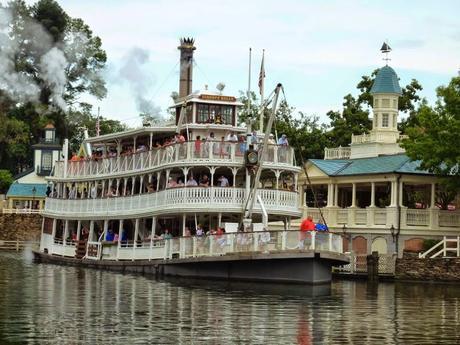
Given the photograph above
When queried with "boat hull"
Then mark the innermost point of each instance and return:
(301, 267)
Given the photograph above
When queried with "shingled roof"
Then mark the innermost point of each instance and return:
(400, 164)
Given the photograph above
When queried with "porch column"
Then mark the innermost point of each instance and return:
(78, 230)
(295, 182)
(433, 195)
(212, 170)
(372, 194)
(154, 225)
(118, 186)
(330, 195)
(393, 193)
(336, 195)
(66, 232)
(133, 183)
(91, 230)
(141, 180)
(120, 232)
(103, 189)
(353, 195)
(277, 176)
(53, 231)
(158, 181)
(167, 177)
(104, 232)
(136, 231)
(219, 219)
(234, 172)
(400, 193)
(125, 180)
(183, 224)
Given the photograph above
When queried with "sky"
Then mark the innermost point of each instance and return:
(317, 49)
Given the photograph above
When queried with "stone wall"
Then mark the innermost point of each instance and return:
(410, 267)
(20, 227)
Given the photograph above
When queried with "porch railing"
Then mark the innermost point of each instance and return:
(211, 151)
(213, 245)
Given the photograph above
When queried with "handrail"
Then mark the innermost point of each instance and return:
(221, 244)
(178, 152)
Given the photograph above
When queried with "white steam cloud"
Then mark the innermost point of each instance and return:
(134, 71)
(53, 60)
(52, 66)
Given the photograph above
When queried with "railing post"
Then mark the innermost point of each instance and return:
(445, 246)
(458, 246)
(194, 246)
(313, 240)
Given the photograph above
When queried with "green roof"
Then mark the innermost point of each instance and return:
(386, 81)
(399, 163)
(26, 190)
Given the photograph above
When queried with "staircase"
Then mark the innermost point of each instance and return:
(448, 247)
(80, 249)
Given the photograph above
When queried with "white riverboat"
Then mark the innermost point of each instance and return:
(181, 193)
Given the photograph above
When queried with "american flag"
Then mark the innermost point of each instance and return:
(262, 75)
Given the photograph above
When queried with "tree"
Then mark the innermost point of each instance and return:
(249, 116)
(434, 139)
(305, 134)
(6, 179)
(48, 60)
(353, 120)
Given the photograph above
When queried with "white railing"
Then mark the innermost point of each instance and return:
(417, 217)
(373, 137)
(194, 198)
(423, 219)
(212, 245)
(444, 247)
(21, 210)
(337, 153)
(449, 218)
(188, 152)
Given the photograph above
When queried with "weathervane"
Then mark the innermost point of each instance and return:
(386, 49)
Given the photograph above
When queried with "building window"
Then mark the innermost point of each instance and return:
(227, 114)
(385, 120)
(189, 113)
(385, 103)
(47, 160)
(202, 113)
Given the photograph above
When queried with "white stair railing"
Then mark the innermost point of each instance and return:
(443, 244)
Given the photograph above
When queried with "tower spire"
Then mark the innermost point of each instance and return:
(385, 50)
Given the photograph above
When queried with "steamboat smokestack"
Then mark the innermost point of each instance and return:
(186, 66)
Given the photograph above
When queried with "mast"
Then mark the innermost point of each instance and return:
(252, 194)
(249, 83)
(261, 89)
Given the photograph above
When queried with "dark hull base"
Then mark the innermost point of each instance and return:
(295, 267)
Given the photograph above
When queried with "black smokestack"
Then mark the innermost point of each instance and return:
(186, 66)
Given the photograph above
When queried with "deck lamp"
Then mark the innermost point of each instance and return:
(394, 232)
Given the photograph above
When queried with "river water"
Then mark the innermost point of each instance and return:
(47, 304)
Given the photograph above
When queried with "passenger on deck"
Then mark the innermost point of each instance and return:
(320, 226)
(204, 181)
(223, 181)
(191, 182)
(167, 235)
(306, 226)
(109, 237)
(171, 183)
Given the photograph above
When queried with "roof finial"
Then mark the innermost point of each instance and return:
(386, 49)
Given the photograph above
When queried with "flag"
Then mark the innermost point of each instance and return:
(262, 75)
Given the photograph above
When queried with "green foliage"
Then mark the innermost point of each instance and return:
(434, 138)
(249, 116)
(429, 243)
(6, 179)
(352, 120)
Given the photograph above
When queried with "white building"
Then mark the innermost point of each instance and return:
(372, 191)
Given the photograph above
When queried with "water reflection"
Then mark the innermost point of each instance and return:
(66, 305)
